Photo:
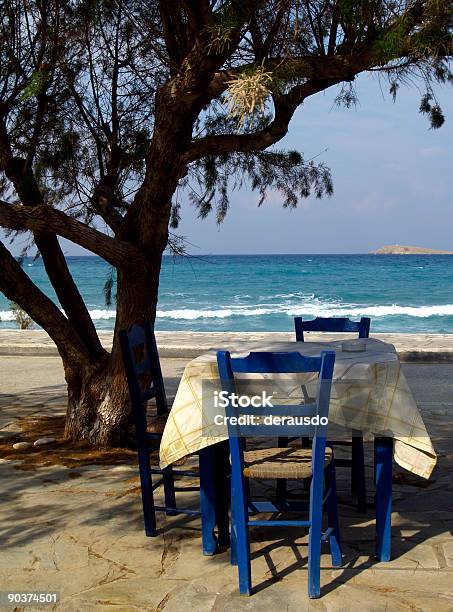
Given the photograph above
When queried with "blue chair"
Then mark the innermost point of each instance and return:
(332, 324)
(145, 382)
(288, 463)
(357, 461)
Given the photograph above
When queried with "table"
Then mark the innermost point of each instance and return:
(369, 393)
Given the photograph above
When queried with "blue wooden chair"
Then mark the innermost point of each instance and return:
(332, 324)
(288, 463)
(145, 382)
(357, 461)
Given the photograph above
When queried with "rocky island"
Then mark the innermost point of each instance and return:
(397, 249)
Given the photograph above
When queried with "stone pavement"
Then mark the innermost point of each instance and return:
(79, 530)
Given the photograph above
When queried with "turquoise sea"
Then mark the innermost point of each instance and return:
(264, 292)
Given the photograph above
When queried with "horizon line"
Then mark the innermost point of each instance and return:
(199, 255)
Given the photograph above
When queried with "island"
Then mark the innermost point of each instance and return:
(397, 249)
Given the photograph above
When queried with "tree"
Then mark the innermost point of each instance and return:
(20, 316)
(110, 109)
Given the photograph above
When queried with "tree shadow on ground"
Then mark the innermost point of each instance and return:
(44, 497)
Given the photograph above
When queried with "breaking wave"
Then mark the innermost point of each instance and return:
(315, 308)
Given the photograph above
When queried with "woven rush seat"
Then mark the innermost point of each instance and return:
(288, 463)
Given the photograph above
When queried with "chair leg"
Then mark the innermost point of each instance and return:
(280, 489)
(169, 491)
(241, 533)
(306, 443)
(332, 516)
(314, 541)
(353, 473)
(233, 540)
(358, 481)
(149, 514)
(222, 459)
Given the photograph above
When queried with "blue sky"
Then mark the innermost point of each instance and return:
(392, 177)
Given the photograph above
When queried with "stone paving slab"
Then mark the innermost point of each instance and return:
(410, 347)
(79, 530)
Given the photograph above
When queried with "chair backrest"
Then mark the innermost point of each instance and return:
(332, 324)
(144, 374)
(278, 363)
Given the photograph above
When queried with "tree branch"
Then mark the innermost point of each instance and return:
(43, 218)
(171, 43)
(18, 287)
(68, 294)
(21, 175)
(285, 106)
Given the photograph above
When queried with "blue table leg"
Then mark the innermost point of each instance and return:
(208, 500)
(383, 457)
(214, 487)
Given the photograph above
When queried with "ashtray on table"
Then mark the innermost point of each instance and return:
(354, 346)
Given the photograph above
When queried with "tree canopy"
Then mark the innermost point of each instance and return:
(80, 82)
(112, 110)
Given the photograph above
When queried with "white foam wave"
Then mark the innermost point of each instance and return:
(6, 315)
(311, 309)
(102, 314)
(315, 309)
(299, 295)
(96, 315)
(345, 310)
(224, 313)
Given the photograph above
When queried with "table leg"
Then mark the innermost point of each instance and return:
(207, 500)
(214, 497)
(383, 457)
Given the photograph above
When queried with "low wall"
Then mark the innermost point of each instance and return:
(410, 347)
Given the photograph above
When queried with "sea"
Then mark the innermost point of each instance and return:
(401, 293)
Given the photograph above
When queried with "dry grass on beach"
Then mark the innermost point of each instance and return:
(62, 451)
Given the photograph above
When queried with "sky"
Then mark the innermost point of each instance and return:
(392, 174)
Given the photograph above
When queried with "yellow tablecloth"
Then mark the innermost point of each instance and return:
(369, 393)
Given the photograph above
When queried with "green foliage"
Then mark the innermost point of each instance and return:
(433, 110)
(219, 35)
(20, 316)
(285, 172)
(393, 90)
(347, 96)
(85, 146)
(35, 85)
(289, 72)
(175, 216)
(108, 287)
(393, 42)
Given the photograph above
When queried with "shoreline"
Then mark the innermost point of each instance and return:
(410, 347)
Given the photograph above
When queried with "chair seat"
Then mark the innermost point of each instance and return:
(288, 463)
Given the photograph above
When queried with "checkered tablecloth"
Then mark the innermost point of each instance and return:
(369, 394)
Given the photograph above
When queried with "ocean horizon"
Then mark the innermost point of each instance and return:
(401, 293)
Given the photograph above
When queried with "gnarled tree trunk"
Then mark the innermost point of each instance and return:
(98, 403)
(98, 397)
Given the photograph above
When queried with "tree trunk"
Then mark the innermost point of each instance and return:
(98, 404)
(98, 398)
